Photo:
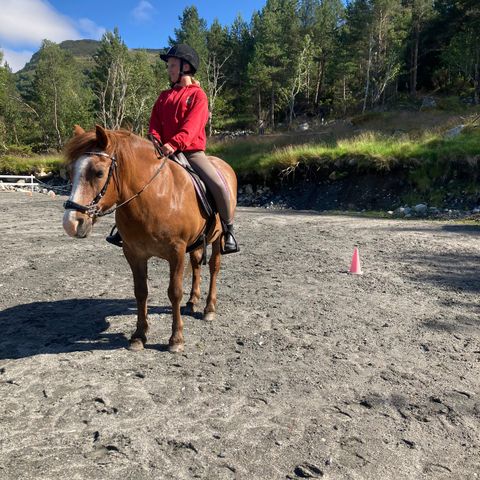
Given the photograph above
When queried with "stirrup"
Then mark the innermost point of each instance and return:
(115, 238)
(230, 247)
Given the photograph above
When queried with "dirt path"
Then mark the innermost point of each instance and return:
(306, 372)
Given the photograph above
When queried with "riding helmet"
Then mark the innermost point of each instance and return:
(183, 52)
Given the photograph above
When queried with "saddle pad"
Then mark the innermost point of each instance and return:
(204, 196)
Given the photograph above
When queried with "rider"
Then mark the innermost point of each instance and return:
(178, 119)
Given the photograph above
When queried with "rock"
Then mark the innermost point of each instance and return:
(428, 102)
(454, 132)
(51, 194)
(43, 175)
(421, 209)
(308, 470)
(303, 126)
(21, 182)
(248, 189)
(63, 173)
(400, 212)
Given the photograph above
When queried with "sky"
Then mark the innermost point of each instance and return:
(141, 23)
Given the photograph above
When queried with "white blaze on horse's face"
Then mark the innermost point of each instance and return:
(77, 224)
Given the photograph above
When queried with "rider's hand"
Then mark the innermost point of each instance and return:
(167, 149)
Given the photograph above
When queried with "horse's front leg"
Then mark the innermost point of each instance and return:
(139, 270)
(175, 294)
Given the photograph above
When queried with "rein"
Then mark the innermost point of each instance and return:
(92, 209)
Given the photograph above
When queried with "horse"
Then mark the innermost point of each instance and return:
(156, 212)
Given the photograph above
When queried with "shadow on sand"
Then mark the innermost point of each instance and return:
(73, 325)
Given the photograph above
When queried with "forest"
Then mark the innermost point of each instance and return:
(291, 59)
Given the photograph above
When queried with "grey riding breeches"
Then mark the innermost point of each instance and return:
(215, 182)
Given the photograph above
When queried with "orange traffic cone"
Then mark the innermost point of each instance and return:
(355, 268)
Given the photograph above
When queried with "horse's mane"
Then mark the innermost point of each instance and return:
(119, 141)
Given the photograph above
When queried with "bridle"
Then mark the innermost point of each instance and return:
(92, 209)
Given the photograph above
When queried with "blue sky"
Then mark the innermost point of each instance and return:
(142, 23)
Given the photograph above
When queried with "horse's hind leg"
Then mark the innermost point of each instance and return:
(195, 260)
(139, 270)
(175, 293)
(214, 264)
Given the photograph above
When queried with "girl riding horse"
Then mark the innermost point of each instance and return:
(178, 119)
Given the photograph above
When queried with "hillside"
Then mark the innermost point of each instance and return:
(83, 52)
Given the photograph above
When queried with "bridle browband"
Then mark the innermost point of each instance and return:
(92, 209)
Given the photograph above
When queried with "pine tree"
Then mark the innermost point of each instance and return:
(193, 32)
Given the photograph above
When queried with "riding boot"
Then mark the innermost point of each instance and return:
(230, 244)
(115, 238)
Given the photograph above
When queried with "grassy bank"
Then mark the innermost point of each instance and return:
(21, 165)
(369, 151)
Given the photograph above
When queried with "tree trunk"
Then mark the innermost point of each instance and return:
(367, 80)
(55, 106)
(476, 80)
(320, 77)
(272, 112)
(413, 82)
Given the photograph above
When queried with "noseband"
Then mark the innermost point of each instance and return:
(92, 209)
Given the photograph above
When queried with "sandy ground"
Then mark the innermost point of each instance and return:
(307, 372)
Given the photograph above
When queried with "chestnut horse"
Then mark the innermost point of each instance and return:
(156, 212)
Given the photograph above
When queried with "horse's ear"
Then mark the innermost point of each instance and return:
(102, 138)
(78, 130)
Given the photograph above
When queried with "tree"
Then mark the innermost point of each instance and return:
(141, 92)
(59, 94)
(193, 32)
(327, 20)
(111, 78)
(218, 55)
(298, 81)
(421, 13)
(277, 43)
(373, 43)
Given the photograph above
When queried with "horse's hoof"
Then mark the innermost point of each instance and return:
(135, 345)
(209, 316)
(176, 348)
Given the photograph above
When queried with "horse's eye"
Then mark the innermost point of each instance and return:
(99, 174)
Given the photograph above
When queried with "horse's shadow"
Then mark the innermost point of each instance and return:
(63, 326)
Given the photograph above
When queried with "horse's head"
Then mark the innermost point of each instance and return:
(91, 164)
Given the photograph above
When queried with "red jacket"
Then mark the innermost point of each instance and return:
(179, 117)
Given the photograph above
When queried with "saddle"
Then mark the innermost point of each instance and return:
(204, 197)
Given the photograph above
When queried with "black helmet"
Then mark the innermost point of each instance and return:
(185, 53)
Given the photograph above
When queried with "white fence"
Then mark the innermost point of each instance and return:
(30, 184)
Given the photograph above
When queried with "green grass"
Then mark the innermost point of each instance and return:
(15, 165)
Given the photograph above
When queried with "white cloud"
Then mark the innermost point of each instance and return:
(16, 60)
(27, 22)
(143, 11)
(90, 28)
